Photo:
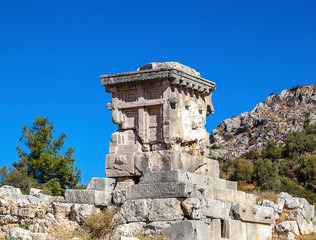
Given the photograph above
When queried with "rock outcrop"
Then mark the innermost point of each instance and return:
(279, 115)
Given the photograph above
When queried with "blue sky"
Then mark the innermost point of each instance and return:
(52, 53)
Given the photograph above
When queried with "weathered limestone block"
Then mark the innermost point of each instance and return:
(179, 176)
(98, 198)
(290, 202)
(201, 208)
(186, 190)
(278, 207)
(259, 231)
(18, 234)
(307, 210)
(189, 230)
(304, 226)
(235, 230)
(169, 161)
(79, 212)
(253, 213)
(23, 212)
(136, 210)
(101, 184)
(60, 210)
(119, 193)
(119, 165)
(287, 226)
(125, 142)
(128, 229)
(161, 190)
(167, 209)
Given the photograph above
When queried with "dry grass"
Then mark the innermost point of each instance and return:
(272, 196)
(99, 225)
(284, 216)
(303, 237)
(307, 237)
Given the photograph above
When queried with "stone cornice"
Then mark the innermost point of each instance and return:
(175, 76)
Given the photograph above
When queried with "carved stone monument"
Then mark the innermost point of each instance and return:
(161, 111)
(159, 156)
(158, 167)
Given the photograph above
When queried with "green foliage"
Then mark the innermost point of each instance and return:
(243, 170)
(251, 155)
(273, 151)
(214, 146)
(17, 177)
(309, 128)
(237, 170)
(45, 161)
(291, 187)
(227, 169)
(266, 174)
(307, 171)
(298, 143)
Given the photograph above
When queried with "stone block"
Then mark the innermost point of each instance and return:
(79, 212)
(278, 207)
(235, 230)
(307, 210)
(195, 208)
(304, 226)
(253, 213)
(287, 226)
(163, 190)
(259, 231)
(101, 184)
(136, 210)
(98, 198)
(179, 176)
(119, 165)
(188, 230)
(290, 202)
(128, 229)
(151, 210)
(169, 161)
(119, 193)
(166, 209)
(124, 142)
(60, 210)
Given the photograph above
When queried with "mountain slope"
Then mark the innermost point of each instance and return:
(275, 118)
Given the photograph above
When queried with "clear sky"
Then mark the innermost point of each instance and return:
(52, 53)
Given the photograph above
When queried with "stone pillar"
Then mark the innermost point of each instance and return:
(160, 109)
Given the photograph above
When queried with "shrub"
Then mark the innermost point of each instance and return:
(251, 155)
(299, 143)
(290, 186)
(214, 146)
(307, 171)
(243, 170)
(273, 151)
(266, 174)
(99, 225)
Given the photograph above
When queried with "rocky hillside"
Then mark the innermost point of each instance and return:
(279, 115)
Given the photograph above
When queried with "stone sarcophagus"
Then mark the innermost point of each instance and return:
(161, 111)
